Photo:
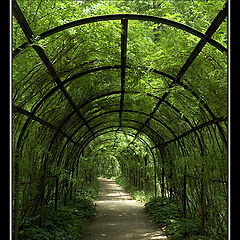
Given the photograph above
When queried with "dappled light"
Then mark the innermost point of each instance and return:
(120, 217)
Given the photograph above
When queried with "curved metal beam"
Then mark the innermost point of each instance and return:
(83, 143)
(110, 139)
(129, 111)
(51, 92)
(177, 80)
(127, 120)
(113, 130)
(120, 17)
(200, 126)
(137, 112)
(124, 23)
(43, 122)
(205, 37)
(42, 55)
(75, 76)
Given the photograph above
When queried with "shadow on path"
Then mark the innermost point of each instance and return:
(119, 217)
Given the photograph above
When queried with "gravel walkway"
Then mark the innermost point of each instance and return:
(119, 217)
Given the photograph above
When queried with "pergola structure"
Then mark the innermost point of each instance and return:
(82, 123)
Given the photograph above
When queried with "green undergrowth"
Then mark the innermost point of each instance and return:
(139, 195)
(66, 223)
(168, 215)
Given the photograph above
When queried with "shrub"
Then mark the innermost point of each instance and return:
(67, 223)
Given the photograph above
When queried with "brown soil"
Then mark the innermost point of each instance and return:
(119, 217)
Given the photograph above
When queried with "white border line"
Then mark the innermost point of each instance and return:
(229, 113)
(10, 120)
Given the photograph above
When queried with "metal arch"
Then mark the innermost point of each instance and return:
(132, 111)
(86, 102)
(70, 137)
(130, 134)
(213, 121)
(103, 133)
(124, 23)
(150, 136)
(117, 92)
(110, 139)
(127, 120)
(74, 77)
(113, 130)
(90, 138)
(210, 31)
(29, 34)
(129, 111)
(156, 119)
(41, 53)
(141, 17)
(43, 122)
(182, 72)
(130, 120)
(111, 127)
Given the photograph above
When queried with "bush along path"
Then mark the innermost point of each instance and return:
(65, 223)
(119, 217)
(168, 215)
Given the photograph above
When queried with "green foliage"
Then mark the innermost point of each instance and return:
(47, 155)
(182, 228)
(88, 192)
(66, 223)
(125, 184)
(163, 211)
(35, 233)
(139, 195)
(168, 215)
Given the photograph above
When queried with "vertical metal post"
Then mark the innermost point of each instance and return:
(56, 193)
(202, 205)
(171, 178)
(145, 173)
(16, 196)
(184, 192)
(162, 182)
(155, 184)
(42, 196)
(155, 175)
(124, 23)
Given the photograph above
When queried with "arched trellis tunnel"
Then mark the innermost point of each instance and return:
(147, 91)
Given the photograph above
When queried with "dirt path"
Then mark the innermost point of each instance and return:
(119, 217)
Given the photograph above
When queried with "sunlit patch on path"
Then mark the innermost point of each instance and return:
(119, 217)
